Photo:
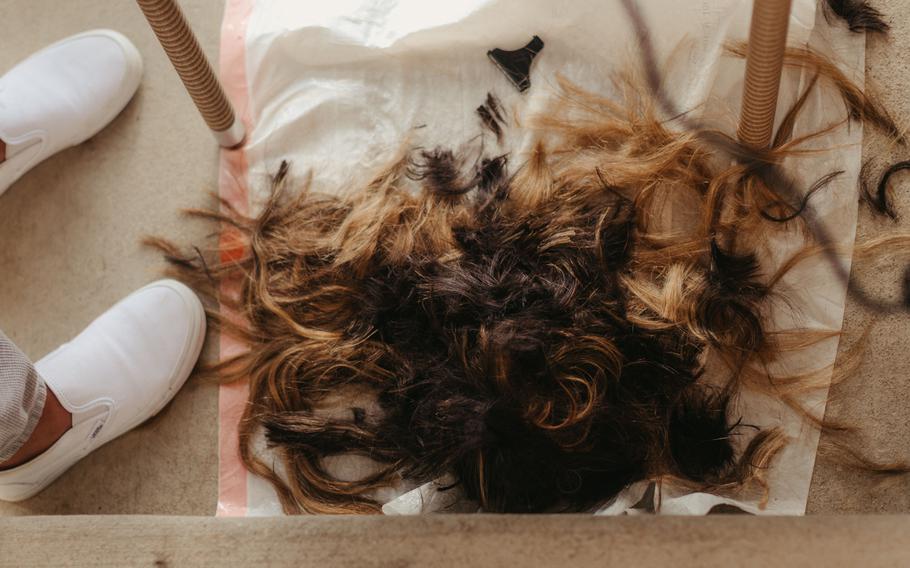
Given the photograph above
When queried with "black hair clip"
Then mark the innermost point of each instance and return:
(517, 64)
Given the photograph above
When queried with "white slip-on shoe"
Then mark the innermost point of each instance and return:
(119, 372)
(63, 95)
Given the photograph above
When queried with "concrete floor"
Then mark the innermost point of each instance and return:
(878, 397)
(70, 233)
(71, 229)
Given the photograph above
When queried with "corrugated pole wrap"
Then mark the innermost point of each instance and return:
(182, 48)
(764, 63)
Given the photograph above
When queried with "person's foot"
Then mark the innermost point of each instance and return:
(53, 423)
(62, 96)
(119, 372)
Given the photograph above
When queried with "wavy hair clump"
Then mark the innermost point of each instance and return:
(539, 332)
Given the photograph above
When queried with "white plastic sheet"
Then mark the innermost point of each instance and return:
(335, 87)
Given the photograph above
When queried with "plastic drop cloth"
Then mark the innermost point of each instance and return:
(334, 87)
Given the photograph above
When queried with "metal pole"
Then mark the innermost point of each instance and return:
(167, 20)
(764, 62)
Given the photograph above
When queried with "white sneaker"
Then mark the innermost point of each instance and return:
(63, 95)
(119, 372)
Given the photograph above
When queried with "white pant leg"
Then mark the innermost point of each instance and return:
(22, 395)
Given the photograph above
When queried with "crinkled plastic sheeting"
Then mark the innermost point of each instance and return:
(335, 87)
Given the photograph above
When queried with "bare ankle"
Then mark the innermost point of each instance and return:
(54, 422)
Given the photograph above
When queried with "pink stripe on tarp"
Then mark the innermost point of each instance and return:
(232, 186)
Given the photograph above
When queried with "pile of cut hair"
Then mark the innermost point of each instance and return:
(538, 331)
